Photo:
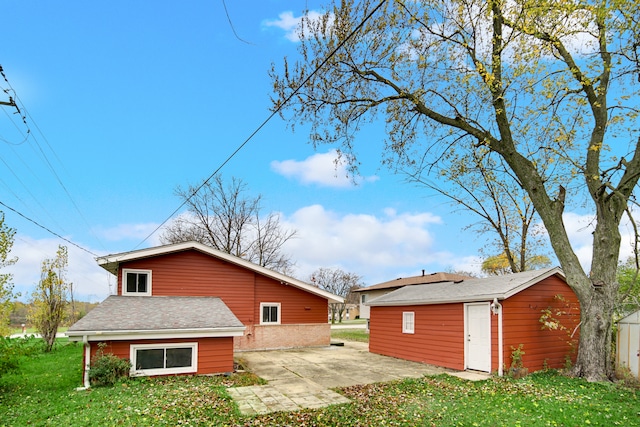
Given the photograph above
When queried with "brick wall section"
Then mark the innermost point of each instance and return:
(268, 337)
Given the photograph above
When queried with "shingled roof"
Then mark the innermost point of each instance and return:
(415, 280)
(471, 290)
(156, 315)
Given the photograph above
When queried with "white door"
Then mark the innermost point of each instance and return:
(478, 337)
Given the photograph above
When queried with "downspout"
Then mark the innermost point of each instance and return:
(496, 307)
(87, 363)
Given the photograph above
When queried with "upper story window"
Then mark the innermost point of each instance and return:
(363, 298)
(270, 313)
(136, 282)
(408, 322)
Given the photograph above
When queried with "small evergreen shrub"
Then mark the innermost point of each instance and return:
(106, 368)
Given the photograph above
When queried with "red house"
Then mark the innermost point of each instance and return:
(185, 308)
(477, 324)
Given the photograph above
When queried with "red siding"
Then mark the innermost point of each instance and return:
(438, 337)
(439, 330)
(192, 273)
(215, 355)
(521, 325)
(296, 305)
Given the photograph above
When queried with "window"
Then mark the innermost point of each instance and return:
(363, 298)
(136, 282)
(270, 313)
(408, 322)
(162, 359)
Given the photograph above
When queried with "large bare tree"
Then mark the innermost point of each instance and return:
(338, 282)
(538, 83)
(224, 217)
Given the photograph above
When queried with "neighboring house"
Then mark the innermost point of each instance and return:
(477, 324)
(185, 308)
(369, 293)
(628, 344)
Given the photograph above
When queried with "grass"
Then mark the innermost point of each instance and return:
(350, 335)
(43, 393)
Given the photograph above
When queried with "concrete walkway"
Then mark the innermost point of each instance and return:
(303, 378)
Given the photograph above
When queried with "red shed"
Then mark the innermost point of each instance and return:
(477, 324)
(185, 308)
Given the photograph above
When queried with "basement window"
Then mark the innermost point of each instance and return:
(164, 359)
(408, 322)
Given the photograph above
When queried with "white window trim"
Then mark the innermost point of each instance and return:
(133, 348)
(270, 304)
(405, 322)
(124, 281)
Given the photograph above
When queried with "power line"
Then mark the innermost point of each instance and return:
(42, 152)
(48, 230)
(273, 113)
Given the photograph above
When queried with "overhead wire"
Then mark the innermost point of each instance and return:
(24, 113)
(47, 229)
(269, 117)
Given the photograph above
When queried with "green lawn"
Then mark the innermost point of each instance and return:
(43, 393)
(350, 335)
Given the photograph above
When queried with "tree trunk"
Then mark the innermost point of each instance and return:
(594, 353)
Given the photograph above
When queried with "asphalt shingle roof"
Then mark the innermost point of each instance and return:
(415, 280)
(483, 289)
(141, 313)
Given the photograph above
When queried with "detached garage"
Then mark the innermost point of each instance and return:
(477, 323)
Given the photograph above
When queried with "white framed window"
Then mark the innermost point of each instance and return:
(269, 313)
(164, 359)
(408, 322)
(363, 298)
(136, 282)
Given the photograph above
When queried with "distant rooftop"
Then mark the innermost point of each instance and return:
(416, 280)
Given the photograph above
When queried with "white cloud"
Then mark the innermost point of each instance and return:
(375, 247)
(129, 232)
(90, 282)
(324, 169)
(291, 24)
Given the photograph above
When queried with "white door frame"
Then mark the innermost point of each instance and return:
(482, 363)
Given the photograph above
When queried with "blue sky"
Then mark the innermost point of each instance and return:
(127, 100)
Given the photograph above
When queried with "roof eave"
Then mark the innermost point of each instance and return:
(477, 298)
(119, 335)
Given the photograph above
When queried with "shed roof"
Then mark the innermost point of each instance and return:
(633, 318)
(415, 280)
(112, 262)
(484, 289)
(130, 315)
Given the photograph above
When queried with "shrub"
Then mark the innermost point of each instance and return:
(106, 368)
(12, 349)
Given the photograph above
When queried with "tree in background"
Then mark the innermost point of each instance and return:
(6, 287)
(223, 217)
(498, 265)
(629, 300)
(338, 282)
(483, 186)
(50, 300)
(549, 87)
